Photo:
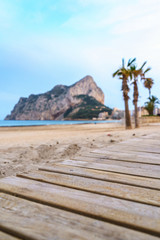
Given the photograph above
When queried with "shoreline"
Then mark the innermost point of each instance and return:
(76, 122)
(22, 123)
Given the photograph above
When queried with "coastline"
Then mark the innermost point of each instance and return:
(22, 123)
(26, 148)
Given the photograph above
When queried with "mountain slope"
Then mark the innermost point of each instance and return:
(88, 108)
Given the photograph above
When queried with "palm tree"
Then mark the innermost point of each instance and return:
(151, 104)
(148, 83)
(123, 74)
(135, 74)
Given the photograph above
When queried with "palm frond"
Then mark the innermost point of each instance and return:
(131, 61)
(119, 74)
(143, 64)
(148, 69)
(132, 68)
(122, 62)
(114, 74)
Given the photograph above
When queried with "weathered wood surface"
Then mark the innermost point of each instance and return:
(119, 163)
(111, 193)
(150, 142)
(5, 236)
(36, 221)
(138, 145)
(142, 140)
(126, 151)
(114, 168)
(122, 191)
(138, 148)
(106, 176)
(123, 155)
(131, 214)
(141, 147)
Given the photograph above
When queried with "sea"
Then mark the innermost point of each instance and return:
(18, 123)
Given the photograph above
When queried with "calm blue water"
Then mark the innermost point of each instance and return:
(13, 123)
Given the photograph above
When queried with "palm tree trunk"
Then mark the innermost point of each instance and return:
(136, 115)
(127, 115)
(135, 101)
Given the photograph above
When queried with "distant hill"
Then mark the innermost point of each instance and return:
(82, 100)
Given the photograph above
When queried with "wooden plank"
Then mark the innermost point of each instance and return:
(137, 145)
(142, 142)
(113, 168)
(137, 148)
(122, 191)
(119, 163)
(106, 176)
(140, 148)
(139, 142)
(141, 155)
(134, 215)
(125, 155)
(5, 236)
(40, 222)
(150, 139)
(149, 136)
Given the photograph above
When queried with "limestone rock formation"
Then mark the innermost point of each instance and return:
(59, 103)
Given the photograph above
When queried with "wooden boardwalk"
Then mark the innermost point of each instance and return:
(111, 194)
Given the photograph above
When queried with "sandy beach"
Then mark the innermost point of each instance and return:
(26, 148)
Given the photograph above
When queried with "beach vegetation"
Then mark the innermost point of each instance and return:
(151, 104)
(148, 83)
(123, 74)
(68, 111)
(135, 75)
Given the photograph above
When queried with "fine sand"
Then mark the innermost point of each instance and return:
(26, 148)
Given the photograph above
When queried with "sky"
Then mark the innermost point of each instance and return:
(45, 43)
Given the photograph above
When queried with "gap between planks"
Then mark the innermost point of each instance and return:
(6, 235)
(121, 191)
(121, 178)
(113, 168)
(60, 225)
(124, 157)
(111, 161)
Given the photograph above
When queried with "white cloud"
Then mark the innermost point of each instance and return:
(123, 16)
(142, 19)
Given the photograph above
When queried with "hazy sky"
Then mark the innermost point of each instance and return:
(49, 42)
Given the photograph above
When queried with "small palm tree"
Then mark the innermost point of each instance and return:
(123, 74)
(151, 104)
(135, 74)
(148, 83)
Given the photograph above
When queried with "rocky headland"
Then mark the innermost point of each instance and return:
(82, 100)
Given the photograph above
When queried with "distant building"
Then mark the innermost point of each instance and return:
(117, 113)
(103, 115)
(142, 112)
(156, 111)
